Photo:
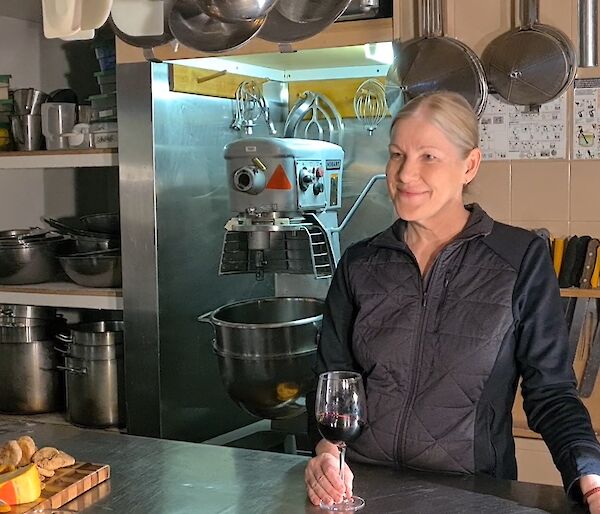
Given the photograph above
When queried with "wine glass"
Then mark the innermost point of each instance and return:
(341, 412)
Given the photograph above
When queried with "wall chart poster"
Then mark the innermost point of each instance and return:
(509, 131)
(586, 119)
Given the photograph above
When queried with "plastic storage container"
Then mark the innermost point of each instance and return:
(105, 134)
(6, 109)
(104, 107)
(107, 80)
(4, 85)
(106, 55)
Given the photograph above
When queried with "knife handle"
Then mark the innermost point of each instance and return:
(589, 263)
(558, 252)
(595, 280)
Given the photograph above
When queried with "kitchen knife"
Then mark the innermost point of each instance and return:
(580, 253)
(595, 280)
(568, 261)
(590, 373)
(589, 264)
(558, 251)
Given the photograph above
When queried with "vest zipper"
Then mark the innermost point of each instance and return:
(442, 301)
(402, 425)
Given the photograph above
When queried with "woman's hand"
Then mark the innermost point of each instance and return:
(587, 483)
(322, 476)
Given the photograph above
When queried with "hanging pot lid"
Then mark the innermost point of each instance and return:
(278, 28)
(532, 64)
(195, 28)
(241, 10)
(308, 11)
(433, 62)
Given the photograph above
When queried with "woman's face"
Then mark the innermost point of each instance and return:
(426, 172)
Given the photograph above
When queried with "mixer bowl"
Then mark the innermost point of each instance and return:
(266, 350)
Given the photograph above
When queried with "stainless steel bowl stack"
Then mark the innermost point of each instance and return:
(28, 256)
(94, 257)
(31, 382)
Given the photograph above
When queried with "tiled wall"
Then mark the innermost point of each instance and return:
(561, 195)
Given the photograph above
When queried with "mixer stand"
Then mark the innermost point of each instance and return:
(281, 436)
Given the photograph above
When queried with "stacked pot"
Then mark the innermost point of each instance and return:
(29, 256)
(31, 383)
(95, 376)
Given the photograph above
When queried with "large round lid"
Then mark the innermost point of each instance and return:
(535, 76)
(193, 27)
(435, 64)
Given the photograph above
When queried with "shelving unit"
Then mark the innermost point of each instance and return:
(574, 292)
(92, 158)
(63, 294)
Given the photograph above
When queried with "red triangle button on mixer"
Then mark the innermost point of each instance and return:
(279, 179)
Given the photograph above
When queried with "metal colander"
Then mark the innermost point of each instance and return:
(435, 63)
(531, 65)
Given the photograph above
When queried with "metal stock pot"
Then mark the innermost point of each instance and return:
(266, 350)
(95, 374)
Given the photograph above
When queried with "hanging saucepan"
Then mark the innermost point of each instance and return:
(239, 10)
(193, 27)
(280, 28)
(532, 64)
(433, 62)
(147, 41)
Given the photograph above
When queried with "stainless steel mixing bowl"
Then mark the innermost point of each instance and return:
(266, 350)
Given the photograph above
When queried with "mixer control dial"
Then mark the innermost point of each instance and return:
(320, 172)
(318, 188)
(306, 178)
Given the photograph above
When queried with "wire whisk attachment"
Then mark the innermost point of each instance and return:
(370, 105)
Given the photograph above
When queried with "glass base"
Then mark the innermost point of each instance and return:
(347, 505)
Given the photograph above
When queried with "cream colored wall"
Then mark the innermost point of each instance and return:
(561, 195)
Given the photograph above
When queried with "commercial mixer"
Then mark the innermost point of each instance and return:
(285, 194)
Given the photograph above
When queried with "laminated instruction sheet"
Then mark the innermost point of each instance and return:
(586, 119)
(509, 131)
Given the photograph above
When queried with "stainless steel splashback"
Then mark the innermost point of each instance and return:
(173, 207)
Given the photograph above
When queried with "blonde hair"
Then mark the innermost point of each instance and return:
(451, 113)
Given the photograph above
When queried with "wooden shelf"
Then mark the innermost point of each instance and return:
(63, 294)
(575, 292)
(89, 158)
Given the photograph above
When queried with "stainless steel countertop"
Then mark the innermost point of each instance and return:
(159, 476)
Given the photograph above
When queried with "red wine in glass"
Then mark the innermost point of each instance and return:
(340, 428)
(341, 414)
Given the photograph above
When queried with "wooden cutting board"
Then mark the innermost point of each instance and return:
(66, 485)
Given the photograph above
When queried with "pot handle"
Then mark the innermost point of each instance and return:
(75, 371)
(63, 338)
(205, 318)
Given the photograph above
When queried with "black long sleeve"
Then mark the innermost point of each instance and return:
(551, 401)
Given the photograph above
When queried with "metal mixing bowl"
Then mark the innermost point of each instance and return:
(106, 223)
(93, 269)
(266, 350)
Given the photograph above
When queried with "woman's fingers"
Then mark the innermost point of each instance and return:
(323, 482)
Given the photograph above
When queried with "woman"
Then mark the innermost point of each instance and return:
(442, 313)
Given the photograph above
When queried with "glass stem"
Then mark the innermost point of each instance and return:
(342, 448)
